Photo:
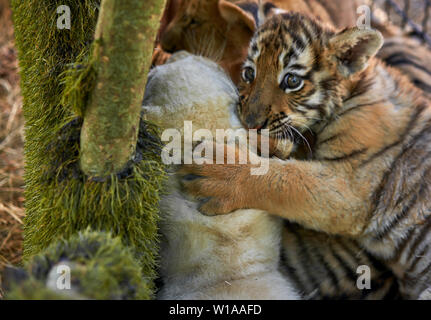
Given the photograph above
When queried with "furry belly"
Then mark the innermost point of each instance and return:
(235, 256)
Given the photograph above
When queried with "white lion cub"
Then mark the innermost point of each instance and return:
(235, 256)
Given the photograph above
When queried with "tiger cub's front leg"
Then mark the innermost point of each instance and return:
(311, 193)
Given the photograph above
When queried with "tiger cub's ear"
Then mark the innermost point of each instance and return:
(353, 47)
(233, 14)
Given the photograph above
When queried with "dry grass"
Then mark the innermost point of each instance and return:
(11, 146)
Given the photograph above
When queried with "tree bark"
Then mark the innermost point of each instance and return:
(125, 35)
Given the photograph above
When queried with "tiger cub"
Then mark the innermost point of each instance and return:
(226, 257)
(368, 177)
(319, 266)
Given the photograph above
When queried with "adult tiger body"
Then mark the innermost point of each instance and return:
(368, 178)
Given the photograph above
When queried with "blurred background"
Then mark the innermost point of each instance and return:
(11, 145)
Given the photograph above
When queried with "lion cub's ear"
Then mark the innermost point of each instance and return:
(233, 14)
(353, 48)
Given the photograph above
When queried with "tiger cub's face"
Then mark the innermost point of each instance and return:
(294, 73)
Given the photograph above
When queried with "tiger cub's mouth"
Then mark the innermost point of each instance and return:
(286, 139)
(263, 126)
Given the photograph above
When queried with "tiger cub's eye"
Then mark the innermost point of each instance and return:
(292, 82)
(248, 74)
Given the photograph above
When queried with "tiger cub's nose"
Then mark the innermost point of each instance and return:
(253, 122)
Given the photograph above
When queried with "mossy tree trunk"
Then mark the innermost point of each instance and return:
(65, 85)
(125, 35)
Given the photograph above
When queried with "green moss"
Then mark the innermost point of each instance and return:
(125, 36)
(32, 289)
(60, 200)
(125, 204)
(101, 268)
(78, 81)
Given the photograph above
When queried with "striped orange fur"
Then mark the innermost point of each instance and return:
(367, 176)
(411, 57)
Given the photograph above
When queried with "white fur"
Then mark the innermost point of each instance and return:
(425, 295)
(191, 88)
(235, 256)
